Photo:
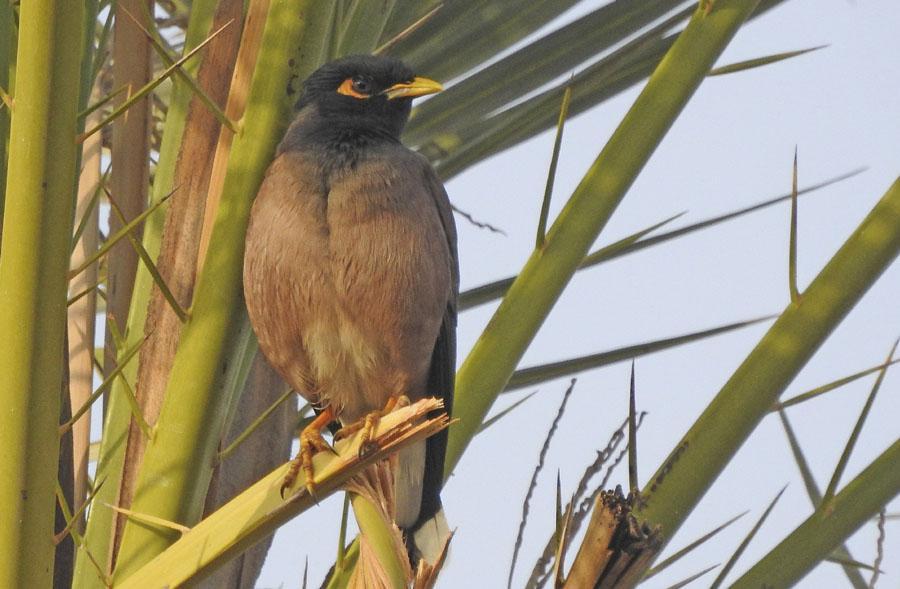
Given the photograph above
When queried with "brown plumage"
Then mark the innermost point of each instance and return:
(350, 270)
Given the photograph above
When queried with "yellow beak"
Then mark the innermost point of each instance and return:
(418, 87)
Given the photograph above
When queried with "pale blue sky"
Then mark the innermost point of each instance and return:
(731, 147)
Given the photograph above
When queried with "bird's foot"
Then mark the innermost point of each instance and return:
(311, 442)
(369, 424)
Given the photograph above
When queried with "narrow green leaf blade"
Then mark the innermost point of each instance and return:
(544, 372)
(746, 542)
(827, 388)
(857, 429)
(678, 555)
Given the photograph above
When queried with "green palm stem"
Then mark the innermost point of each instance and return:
(747, 397)
(179, 459)
(380, 537)
(487, 369)
(7, 48)
(38, 224)
(823, 531)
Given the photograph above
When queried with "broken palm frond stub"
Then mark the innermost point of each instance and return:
(543, 568)
(261, 509)
(616, 546)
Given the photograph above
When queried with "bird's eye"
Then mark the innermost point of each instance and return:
(361, 85)
(357, 87)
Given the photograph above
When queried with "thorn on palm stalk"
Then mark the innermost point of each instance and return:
(562, 542)
(554, 161)
(854, 435)
(632, 440)
(792, 257)
(746, 541)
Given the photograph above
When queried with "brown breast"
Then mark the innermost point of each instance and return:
(347, 276)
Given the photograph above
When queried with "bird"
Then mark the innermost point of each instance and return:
(351, 272)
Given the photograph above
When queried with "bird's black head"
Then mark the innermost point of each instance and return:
(360, 96)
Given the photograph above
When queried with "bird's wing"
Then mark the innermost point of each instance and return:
(442, 372)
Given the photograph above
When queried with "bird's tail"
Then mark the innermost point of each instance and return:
(428, 541)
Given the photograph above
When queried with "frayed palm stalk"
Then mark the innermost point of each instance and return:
(261, 508)
(383, 559)
(616, 547)
(382, 553)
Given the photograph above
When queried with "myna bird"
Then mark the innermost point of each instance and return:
(351, 274)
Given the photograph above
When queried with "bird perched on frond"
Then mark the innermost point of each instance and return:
(350, 272)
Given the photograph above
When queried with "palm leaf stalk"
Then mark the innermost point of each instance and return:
(747, 397)
(130, 150)
(81, 313)
(816, 538)
(7, 49)
(111, 459)
(192, 409)
(38, 224)
(486, 370)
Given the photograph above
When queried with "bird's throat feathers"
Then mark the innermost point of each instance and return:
(339, 138)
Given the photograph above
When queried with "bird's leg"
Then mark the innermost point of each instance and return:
(369, 424)
(311, 441)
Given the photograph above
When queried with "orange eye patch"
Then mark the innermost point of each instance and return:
(346, 88)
